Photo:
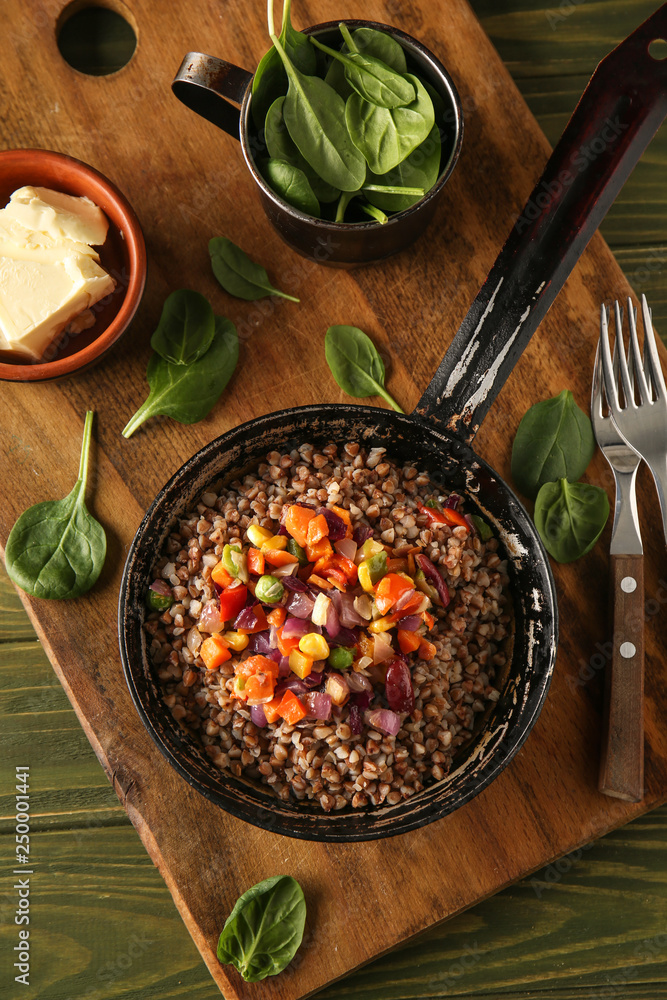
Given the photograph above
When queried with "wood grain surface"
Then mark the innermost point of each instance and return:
(183, 195)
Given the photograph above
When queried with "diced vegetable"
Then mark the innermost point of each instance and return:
(276, 617)
(297, 551)
(256, 562)
(269, 589)
(318, 529)
(318, 550)
(446, 516)
(158, 602)
(383, 720)
(337, 686)
(272, 709)
(434, 576)
(236, 640)
(426, 650)
(398, 686)
(317, 704)
(336, 525)
(235, 562)
(369, 548)
(300, 605)
(257, 534)
(259, 688)
(300, 663)
(279, 557)
(291, 708)
(314, 646)
(231, 600)
(274, 542)
(390, 588)
(297, 520)
(382, 624)
(251, 620)
(220, 575)
(258, 716)
(382, 647)
(408, 641)
(341, 658)
(346, 547)
(320, 611)
(214, 652)
(372, 569)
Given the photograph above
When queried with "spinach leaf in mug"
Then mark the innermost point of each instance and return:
(281, 147)
(570, 517)
(238, 274)
(186, 328)
(270, 79)
(315, 117)
(420, 169)
(376, 43)
(371, 78)
(291, 184)
(187, 393)
(386, 136)
(553, 441)
(264, 930)
(56, 549)
(355, 363)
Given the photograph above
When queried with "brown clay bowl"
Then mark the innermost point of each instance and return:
(123, 256)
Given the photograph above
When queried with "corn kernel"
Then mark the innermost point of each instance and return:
(300, 664)
(274, 542)
(236, 640)
(314, 645)
(257, 534)
(365, 578)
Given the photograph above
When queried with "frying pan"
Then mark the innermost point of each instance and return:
(623, 105)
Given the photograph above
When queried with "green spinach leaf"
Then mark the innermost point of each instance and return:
(281, 147)
(553, 441)
(56, 549)
(570, 517)
(238, 274)
(264, 930)
(420, 169)
(386, 136)
(270, 79)
(292, 185)
(187, 393)
(375, 213)
(186, 328)
(381, 45)
(355, 363)
(371, 78)
(315, 117)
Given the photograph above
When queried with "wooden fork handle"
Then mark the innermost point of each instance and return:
(622, 761)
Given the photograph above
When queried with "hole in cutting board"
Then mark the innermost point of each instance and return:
(96, 39)
(658, 49)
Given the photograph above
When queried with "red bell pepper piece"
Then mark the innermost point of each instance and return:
(446, 516)
(232, 599)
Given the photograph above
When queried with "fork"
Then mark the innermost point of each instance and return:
(622, 757)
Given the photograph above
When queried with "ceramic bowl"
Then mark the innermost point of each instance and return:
(123, 256)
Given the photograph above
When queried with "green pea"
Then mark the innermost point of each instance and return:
(295, 549)
(341, 658)
(158, 602)
(269, 589)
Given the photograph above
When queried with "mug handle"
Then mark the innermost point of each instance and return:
(206, 84)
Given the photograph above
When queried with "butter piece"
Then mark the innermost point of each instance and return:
(27, 244)
(39, 299)
(61, 216)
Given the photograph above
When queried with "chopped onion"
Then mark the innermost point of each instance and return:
(337, 526)
(345, 608)
(382, 648)
(314, 679)
(410, 623)
(300, 605)
(358, 682)
(294, 583)
(318, 704)
(258, 717)
(322, 604)
(383, 720)
(161, 587)
(471, 524)
(362, 605)
(332, 623)
(247, 618)
(346, 547)
(344, 637)
(284, 571)
(293, 684)
(362, 699)
(194, 640)
(337, 686)
(404, 599)
(259, 642)
(431, 573)
(209, 619)
(362, 532)
(284, 667)
(452, 501)
(364, 661)
(296, 628)
(273, 637)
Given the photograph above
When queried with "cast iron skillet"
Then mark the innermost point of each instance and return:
(562, 213)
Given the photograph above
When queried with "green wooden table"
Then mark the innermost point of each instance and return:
(102, 921)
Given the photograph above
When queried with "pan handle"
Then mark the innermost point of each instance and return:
(619, 112)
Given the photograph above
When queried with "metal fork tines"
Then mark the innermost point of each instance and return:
(641, 413)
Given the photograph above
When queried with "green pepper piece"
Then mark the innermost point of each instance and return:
(341, 658)
(295, 549)
(235, 562)
(269, 589)
(483, 529)
(377, 566)
(421, 583)
(158, 602)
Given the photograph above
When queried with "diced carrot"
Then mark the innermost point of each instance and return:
(318, 528)
(408, 641)
(318, 581)
(220, 575)
(256, 562)
(345, 515)
(255, 665)
(428, 619)
(319, 549)
(291, 708)
(296, 522)
(272, 709)
(426, 650)
(214, 651)
(259, 688)
(276, 617)
(389, 589)
(261, 625)
(286, 643)
(279, 557)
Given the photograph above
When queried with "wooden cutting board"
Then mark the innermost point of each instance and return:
(188, 182)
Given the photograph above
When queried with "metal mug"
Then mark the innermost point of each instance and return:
(207, 85)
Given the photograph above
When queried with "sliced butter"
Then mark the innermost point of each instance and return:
(28, 244)
(61, 216)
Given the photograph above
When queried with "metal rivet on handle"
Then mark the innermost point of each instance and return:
(628, 585)
(627, 650)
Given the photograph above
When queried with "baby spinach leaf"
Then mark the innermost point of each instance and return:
(281, 147)
(56, 549)
(315, 117)
(270, 79)
(381, 45)
(264, 930)
(371, 78)
(292, 185)
(355, 363)
(186, 328)
(553, 441)
(570, 518)
(238, 274)
(420, 169)
(188, 392)
(385, 136)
